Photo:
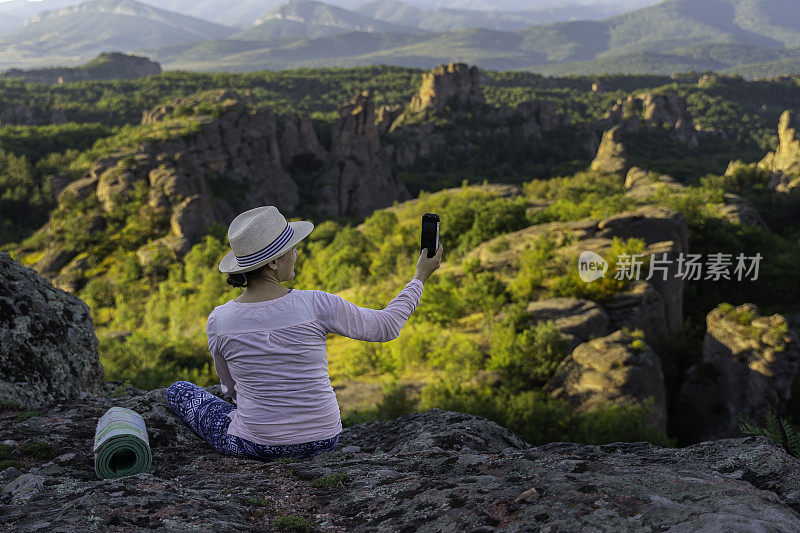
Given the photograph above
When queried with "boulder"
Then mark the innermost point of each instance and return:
(749, 364)
(49, 348)
(611, 157)
(611, 370)
(578, 320)
(641, 185)
(79, 189)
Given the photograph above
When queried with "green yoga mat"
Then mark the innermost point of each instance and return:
(121, 447)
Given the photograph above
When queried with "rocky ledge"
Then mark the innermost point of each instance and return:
(432, 471)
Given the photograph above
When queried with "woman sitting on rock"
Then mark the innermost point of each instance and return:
(269, 347)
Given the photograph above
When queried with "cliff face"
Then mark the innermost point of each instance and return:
(357, 174)
(237, 158)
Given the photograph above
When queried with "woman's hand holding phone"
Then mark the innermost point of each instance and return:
(427, 265)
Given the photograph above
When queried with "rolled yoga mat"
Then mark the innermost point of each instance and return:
(121, 446)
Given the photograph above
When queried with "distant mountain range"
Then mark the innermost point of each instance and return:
(439, 15)
(308, 19)
(100, 25)
(755, 37)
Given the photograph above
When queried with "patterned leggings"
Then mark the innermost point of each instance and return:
(206, 415)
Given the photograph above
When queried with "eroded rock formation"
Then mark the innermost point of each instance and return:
(611, 370)
(357, 177)
(654, 110)
(237, 159)
(611, 157)
(445, 84)
(642, 186)
(784, 163)
(458, 86)
(578, 320)
(749, 364)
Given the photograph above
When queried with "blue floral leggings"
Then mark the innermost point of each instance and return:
(206, 415)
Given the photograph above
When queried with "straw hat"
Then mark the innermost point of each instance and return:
(260, 235)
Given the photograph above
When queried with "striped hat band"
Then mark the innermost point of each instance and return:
(267, 251)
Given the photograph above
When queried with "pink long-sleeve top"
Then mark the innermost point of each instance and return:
(271, 358)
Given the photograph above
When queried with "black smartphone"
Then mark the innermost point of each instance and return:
(430, 233)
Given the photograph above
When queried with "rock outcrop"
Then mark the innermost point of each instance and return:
(437, 470)
(385, 115)
(456, 85)
(298, 139)
(749, 364)
(654, 305)
(666, 234)
(106, 66)
(447, 84)
(784, 163)
(611, 370)
(642, 185)
(655, 110)
(48, 347)
(611, 157)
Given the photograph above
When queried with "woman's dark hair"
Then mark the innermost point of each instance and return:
(240, 280)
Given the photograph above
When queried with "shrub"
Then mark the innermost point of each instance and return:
(292, 523)
(525, 356)
(395, 402)
(38, 450)
(781, 432)
(539, 419)
(616, 278)
(337, 479)
(535, 264)
(183, 111)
